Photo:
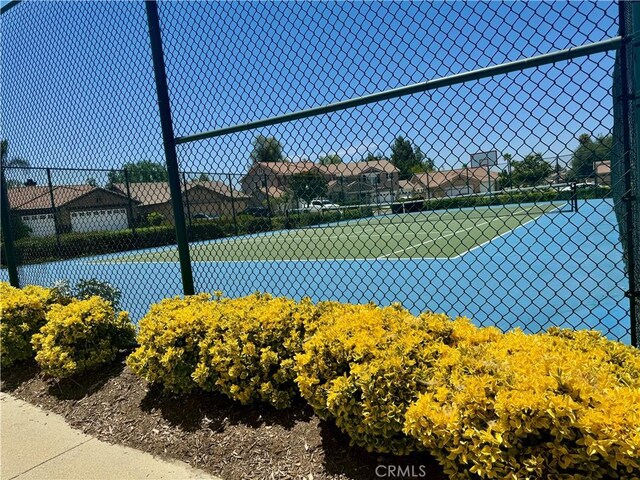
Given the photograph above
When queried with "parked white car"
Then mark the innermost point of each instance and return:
(318, 205)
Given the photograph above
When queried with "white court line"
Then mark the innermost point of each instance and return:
(122, 260)
(449, 235)
(502, 234)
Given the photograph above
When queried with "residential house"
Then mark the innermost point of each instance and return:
(268, 180)
(212, 198)
(375, 181)
(451, 183)
(350, 182)
(602, 170)
(70, 208)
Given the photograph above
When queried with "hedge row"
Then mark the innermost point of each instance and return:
(547, 195)
(485, 404)
(66, 335)
(73, 245)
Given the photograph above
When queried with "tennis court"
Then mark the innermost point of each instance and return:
(439, 234)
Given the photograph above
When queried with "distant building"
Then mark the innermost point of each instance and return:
(452, 183)
(78, 208)
(199, 197)
(602, 170)
(350, 182)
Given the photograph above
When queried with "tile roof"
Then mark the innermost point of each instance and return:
(154, 193)
(357, 168)
(287, 168)
(37, 197)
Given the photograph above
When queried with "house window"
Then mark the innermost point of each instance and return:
(371, 178)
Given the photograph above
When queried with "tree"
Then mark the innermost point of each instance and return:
(204, 178)
(409, 158)
(330, 159)
(266, 149)
(92, 182)
(144, 171)
(589, 150)
(307, 186)
(530, 171)
(16, 162)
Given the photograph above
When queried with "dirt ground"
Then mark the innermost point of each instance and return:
(209, 431)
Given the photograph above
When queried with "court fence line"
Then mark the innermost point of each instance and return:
(207, 107)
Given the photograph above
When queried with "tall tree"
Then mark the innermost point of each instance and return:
(307, 186)
(408, 158)
(589, 151)
(16, 162)
(266, 149)
(530, 171)
(330, 159)
(144, 171)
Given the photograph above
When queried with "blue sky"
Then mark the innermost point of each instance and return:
(76, 80)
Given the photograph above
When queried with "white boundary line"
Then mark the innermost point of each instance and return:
(122, 260)
(503, 234)
(426, 242)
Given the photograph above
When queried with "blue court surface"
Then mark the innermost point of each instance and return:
(559, 268)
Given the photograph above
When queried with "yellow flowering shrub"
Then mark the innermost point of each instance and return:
(364, 365)
(249, 348)
(563, 404)
(169, 336)
(81, 336)
(22, 313)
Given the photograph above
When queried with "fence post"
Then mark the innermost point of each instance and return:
(5, 217)
(233, 205)
(55, 211)
(130, 204)
(630, 199)
(168, 137)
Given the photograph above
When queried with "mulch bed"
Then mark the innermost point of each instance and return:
(208, 431)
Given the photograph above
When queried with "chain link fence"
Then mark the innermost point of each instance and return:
(455, 157)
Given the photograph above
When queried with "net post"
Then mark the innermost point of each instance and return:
(233, 205)
(129, 202)
(54, 210)
(186, 200)
(169, 141)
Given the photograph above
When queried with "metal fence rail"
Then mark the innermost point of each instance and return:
(472, 158)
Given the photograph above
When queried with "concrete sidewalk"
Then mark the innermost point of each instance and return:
(35, 444)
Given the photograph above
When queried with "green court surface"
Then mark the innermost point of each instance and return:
(441, 234)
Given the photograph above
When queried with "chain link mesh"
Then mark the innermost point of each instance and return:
(489, 198)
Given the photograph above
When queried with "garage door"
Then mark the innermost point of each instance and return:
(94, 220)
(40, 225)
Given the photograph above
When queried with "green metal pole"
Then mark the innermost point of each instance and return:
(168, 137)
(5, 217)
(456, 79)
(630, 197)
(56, 224)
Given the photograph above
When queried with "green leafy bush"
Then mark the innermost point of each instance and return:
(169, 336)
(81, 336)
(87, 288)
(557, 405)
(155, 219)
(23, 313)
(249, 348)
(363, 366)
